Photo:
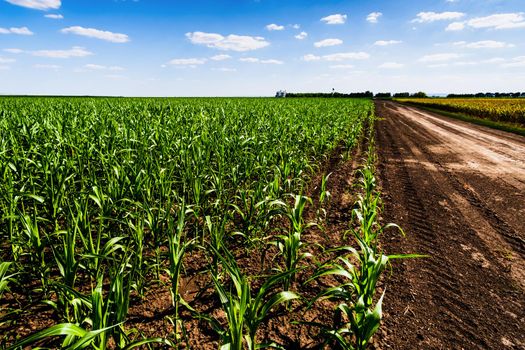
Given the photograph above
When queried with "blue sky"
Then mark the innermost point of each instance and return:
(255, 47)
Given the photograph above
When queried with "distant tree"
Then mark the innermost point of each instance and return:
(401, 95)
(383, 95)
(420, 94)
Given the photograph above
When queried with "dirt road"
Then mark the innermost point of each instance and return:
(458, 190)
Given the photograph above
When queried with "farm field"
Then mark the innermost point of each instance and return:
(188, 223)
(457, 189)
(509, 110)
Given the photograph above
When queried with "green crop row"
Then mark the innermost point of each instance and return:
(101, 199)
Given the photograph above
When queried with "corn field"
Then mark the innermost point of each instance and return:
(104, 199)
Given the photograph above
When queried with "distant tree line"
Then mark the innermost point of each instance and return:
(488, 94)
(388, 95)
(366, 94)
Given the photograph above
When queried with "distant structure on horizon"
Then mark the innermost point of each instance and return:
(280, 93)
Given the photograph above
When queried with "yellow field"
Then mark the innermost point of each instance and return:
(510, 110)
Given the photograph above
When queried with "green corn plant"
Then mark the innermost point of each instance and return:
(244, 312)
(290, 245)
(358, 317)
(178, 244)
(5, 279)
(77, 338)
(36, 246)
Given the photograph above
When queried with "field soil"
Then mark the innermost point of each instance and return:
(458, 191)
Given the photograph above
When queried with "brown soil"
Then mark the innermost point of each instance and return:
(458, 190)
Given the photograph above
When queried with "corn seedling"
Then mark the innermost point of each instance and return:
(244, 312)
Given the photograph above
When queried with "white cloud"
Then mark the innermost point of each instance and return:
(301, 35)
(428, 17)
(296, 26)
(484, 44)
(7, 60)
(15, 51)
(75, 51)
(494, 60)
(97, 34)
(335, 19)
(391, 65)
(21, 31)
(256, 60)
(455, 26)
(231, 42)
(343, 56)
(37, 4)
(54, 16)
(440, 57)
(16, 30)
(516, 62)
(387, 42)
(2, 67)
(274, 26)
(91, 66)
(499, 21)
(310, 57)
(47, 66)
(346, 56)
(496, 21)
(220, 57)
(187, 61)
(328, 42)
(373, 17)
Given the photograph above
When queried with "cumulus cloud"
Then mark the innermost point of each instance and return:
(335, 19)
(455, 26)
(439, 57)
(484, 44)
(37, 4)
(328, 42)
(220, 57)
(15, 51)
(429, 17)
(496, 21)
(516, 62)
(54, 16)
(391, 65)
(301, 35)
(7, 60)
(373, 17)
(16, 30)
(47, 66)
(187, 61)
(273, 26)
(231, 42)
(257, 60)
(97, 34)
(92, 66)
(343, 56)
(76, 51)
(387, 42)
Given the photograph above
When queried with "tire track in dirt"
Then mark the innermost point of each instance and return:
(464, 296)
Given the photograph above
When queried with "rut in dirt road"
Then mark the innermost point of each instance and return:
(458, 190)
